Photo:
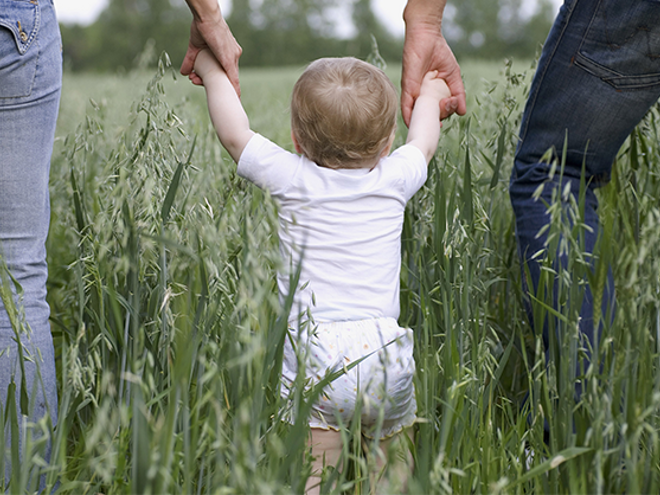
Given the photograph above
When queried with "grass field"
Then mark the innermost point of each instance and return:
(166, 317)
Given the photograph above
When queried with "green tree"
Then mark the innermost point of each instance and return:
(367, 24)
(281, 32)
(496, 28)
(124, 30)
(131, 33)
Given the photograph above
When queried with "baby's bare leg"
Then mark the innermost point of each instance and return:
(391, 464)
(326, 448)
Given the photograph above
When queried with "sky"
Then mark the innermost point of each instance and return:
(85, 11)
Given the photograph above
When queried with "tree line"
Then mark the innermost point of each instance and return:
(132, 33)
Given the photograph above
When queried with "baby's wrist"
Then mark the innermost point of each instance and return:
(430, 98)
(435, 96)
(207, 72)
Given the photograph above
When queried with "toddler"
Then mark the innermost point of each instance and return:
(342, 200)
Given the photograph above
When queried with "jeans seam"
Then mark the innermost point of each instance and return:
(586, 32)
(614, 78)
(24, 46)
(602, 72)
(5, 99)
(569, 16)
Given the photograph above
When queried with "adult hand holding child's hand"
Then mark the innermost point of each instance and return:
(210, 31)
(205, 64)
(434, 86)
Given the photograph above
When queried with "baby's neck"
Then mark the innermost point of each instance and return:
(368, 164)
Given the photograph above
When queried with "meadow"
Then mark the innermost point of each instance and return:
(168, 329)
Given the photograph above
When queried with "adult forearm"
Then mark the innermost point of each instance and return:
(424, 50)
(204, 10)
(427, 12)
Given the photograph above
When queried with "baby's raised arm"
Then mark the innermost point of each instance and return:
(424, 129)
(227, 114)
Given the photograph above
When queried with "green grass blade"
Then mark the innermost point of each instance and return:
(174, 184)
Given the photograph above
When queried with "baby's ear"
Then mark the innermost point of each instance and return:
(390, 142)
(295, 144)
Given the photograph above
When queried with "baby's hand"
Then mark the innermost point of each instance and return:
(434, 87)
(205, 63)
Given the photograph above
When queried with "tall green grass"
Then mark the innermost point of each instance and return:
(168, 327)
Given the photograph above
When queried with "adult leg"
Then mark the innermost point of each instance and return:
(326, 447)
(30, 84)
(598, 75)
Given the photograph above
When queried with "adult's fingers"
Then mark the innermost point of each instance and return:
(412, 73)
(188, 63)
(428, 52)
(455, 83)
(232, 74)
(217, 37)
(220, 40)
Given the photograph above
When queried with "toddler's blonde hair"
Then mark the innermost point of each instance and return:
(343, 112)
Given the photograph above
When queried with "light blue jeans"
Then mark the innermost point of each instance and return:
(30, 85)
(598, 75)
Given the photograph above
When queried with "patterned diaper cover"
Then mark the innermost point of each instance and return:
(380, 386)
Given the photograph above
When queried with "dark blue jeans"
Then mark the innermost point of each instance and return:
(598, 75)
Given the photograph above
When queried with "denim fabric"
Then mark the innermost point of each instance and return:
(30, 85)
(598, 75)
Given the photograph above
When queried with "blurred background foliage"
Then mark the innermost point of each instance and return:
(133, 33)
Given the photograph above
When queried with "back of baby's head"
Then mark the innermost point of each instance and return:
(343, 111)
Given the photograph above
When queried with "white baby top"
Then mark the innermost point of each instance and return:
(345, 224)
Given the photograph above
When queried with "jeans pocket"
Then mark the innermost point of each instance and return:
(19, 50)
(622, 44)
